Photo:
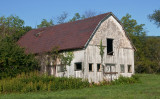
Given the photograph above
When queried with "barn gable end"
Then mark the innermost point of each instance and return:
(123, 50)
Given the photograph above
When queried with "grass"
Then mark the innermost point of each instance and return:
(148, 88)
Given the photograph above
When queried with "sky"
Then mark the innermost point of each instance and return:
(33, 11)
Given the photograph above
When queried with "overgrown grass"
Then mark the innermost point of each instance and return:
(126, 80)
(148, 88)
(34, 82)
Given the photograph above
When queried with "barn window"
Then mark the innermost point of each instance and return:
(110, 46)
(90, 67)
(98, 67)
(78, 66)
(122, 70)
(129, 69)
(60, 68)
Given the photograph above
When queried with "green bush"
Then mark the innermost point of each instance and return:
(13, 59)
(126, 80)
(33, 82)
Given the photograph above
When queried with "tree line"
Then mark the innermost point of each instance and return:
(13, 59)
(62, 18)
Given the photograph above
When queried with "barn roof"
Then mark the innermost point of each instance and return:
(71, 35)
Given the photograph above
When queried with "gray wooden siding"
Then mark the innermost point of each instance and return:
(123, 54)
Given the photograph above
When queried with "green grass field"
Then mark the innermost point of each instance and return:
(149, 88)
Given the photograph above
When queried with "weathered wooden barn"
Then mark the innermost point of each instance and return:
(83, 38)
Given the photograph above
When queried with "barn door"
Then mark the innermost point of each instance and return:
(110, 72)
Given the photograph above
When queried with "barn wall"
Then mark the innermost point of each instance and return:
(78, 57)
(122, 48)
(71, 72)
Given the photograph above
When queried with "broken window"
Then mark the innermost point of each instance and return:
(129, 69)
(110, 68)
(60, 68)
(122, 68)
(90, 67)
(78, 66)
(98, 67)
(110, 46)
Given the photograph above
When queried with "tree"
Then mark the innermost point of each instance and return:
(55, 56)
(45, 23)
(61, 19)
(13, 59)
(155, 17)
(10, 25)
(75, 17)
(27, 28)
(153, 54)
(66, 58)
(101, 48)
(89, 13)
(138, 37)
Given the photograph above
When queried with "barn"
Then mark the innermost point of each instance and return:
(83, 38)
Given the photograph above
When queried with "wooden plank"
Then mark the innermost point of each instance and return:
(111, 73)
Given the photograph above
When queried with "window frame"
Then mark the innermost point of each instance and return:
(129, 69)
(75, 66)
(121, 68)
(111, 52)
(61, 68)
(99, 70)
(91, 67)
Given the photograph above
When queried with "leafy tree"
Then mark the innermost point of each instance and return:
(18, 34)
(155, 17)
(45, 23)
(66, 58)
(153, 54)
(76, 17)
(87, 14)
(55, 56)
(10, 25)
(27, 28)
(13, 59)
(138, 36)
(101, 47)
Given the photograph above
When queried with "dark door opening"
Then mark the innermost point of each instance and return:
(109, 46)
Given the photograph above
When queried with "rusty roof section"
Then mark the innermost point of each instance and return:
(68, 36)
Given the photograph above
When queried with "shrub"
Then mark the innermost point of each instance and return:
(13, 59)
(126, 80)
(32, 82)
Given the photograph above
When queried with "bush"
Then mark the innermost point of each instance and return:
(33, 82)
(126, 80)
(13, 59)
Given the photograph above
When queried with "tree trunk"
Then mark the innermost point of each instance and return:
(54, 70)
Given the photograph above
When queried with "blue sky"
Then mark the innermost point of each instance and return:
(33, 11)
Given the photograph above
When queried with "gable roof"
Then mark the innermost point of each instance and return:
(67, 36)
(72, 35)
